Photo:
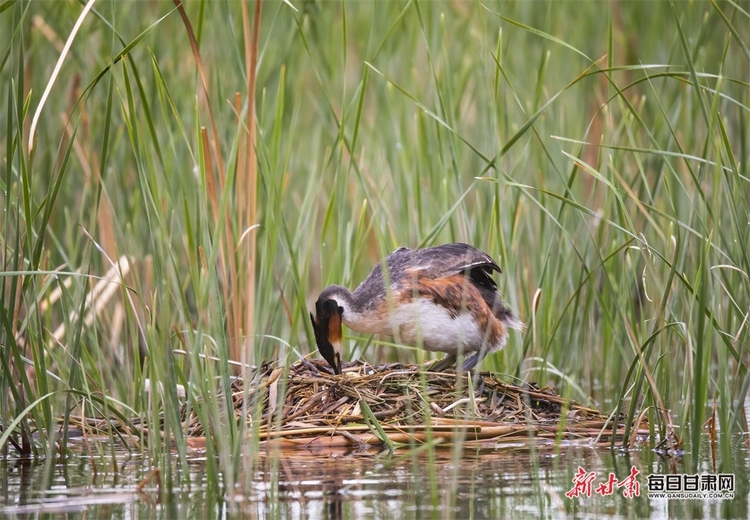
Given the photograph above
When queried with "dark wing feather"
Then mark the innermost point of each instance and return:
(449, 259)
(433, 263)
(482, 276)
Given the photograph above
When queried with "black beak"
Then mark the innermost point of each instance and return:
(327, 327)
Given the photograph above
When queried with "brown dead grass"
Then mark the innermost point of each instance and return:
(311, 408)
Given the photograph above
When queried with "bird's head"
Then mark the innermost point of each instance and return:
(326, 323)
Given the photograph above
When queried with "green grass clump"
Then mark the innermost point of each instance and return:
(597, 150)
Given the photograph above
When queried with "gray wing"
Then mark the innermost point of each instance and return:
(450, 259)
(372, 289)
(432, 262)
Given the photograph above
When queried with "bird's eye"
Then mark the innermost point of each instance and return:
(341, 310)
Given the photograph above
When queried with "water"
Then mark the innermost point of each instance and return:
(498, 483)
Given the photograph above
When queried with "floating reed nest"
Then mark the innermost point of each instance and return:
(373, 406)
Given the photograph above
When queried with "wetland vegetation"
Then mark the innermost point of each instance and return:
(158, 221)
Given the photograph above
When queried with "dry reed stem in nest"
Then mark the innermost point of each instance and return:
(407, 405)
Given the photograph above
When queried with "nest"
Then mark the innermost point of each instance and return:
(368, 406)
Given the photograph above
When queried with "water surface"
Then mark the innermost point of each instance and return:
(516, 480)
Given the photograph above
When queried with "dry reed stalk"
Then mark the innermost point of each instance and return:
(228, 261)
(247, 182)
(98, 297)
(322, 410)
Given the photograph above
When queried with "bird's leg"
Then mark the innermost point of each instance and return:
(471, 361)
(478, 385)
(442, 364)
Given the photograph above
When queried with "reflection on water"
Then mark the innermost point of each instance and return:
(487, 484)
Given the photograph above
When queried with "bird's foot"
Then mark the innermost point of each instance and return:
(442, 364)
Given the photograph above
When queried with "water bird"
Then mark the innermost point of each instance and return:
(440, 298)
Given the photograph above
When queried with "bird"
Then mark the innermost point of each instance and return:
(440, 298)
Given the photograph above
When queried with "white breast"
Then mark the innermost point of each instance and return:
(422, 323)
